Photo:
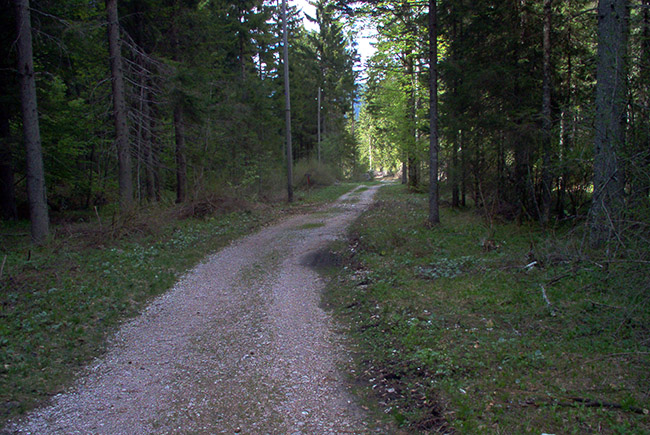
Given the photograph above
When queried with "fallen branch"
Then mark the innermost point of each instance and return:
(605, 305)
(589, 403)
(599, 404)
(557, 278)
(548, 303)
(616, 355)
(613, 355)
(529, 266)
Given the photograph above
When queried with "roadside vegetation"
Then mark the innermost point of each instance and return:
(484, 326)
(60, 302)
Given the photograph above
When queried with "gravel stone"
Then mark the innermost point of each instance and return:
(238, 345)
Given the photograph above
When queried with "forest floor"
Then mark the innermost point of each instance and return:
(240, 344)
(480, 325)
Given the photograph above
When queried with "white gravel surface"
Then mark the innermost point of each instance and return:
(239, 345)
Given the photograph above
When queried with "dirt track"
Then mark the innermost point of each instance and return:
(239, 345)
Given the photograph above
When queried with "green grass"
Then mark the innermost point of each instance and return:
(451, 330)
(59, 302)
(316, 196)
(311, 225)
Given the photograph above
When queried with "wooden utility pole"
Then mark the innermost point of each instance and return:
(34, 154)
(287, 102)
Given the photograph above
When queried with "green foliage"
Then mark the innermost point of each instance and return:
(323, 58)
(453, 329)
(218, 60)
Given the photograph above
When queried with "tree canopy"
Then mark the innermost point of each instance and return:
(515, 84)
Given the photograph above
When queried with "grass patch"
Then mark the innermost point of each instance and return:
(328, 194)
(453, 332)
(59, 302)
(311, 225)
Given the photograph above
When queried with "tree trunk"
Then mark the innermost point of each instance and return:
(502, 178)
(567, 126)
(546, 117)
(412, 161)
(434, 214)
(453, 173)
(148, 151)
(155, 150)
(32, 136)
(611, 77)
(524, 190)
(640, 188)
(119, 108)
(181, 166)
(463, 169)
(318, 122)
(287, 102)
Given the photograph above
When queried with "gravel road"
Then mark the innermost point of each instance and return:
(239, 345)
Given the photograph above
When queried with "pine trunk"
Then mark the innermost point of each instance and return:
(412, 161)
(547, 125)
(463, 169)
(32, 136)
(147, 144)
(119, 108)
(181, 166)
(287, 102)
(455, 191)
(609, 136)
(640, 185)
(434, 214)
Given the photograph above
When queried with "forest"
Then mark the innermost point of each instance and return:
(147, 101)
(193, 100)
(532, 113)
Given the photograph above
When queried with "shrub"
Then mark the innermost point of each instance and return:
(310, 173)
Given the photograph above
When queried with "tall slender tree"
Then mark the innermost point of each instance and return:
(119, 107)
(611, 88)
(547, 124)
(31, 131)
(181, 164)
(287, 102)
(434, 214)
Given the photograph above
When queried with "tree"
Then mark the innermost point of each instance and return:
(35, 174)
(611, 88)
(434, 215)
(547, 124)
(181, 165)
(287, 102)
(119, 107)
(335, 56)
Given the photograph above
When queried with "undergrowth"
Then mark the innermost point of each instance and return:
(60, 302)
(472, 328)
